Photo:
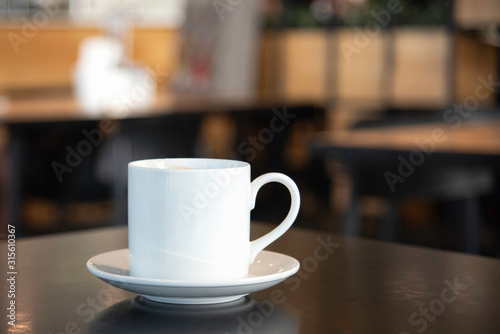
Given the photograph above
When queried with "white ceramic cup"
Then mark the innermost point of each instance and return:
(189, 219)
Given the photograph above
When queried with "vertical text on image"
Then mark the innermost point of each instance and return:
(11, 275)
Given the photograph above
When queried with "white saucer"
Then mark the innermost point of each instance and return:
(268, 269)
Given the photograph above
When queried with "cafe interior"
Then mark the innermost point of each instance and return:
(384, 112)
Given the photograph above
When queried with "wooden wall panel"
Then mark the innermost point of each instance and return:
(360, 72)
(473, 14)
(269, 68)
(304, 53)
(474, 59)
(158, 49)
(48, 58)
(293, 63)
(420, 67)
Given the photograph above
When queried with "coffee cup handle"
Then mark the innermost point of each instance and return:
(259, 244)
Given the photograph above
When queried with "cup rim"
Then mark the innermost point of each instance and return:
(149, 164)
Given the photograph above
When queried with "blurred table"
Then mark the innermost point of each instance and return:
(452, 162)
(61, 106)
(345, 285)
(479, 137)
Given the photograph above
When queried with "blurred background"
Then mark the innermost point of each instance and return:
(385, 112)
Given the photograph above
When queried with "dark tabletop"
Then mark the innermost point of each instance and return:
(345, 285)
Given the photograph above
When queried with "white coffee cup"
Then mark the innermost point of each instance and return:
(189, 219)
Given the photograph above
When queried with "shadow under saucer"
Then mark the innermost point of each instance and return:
(139, 315)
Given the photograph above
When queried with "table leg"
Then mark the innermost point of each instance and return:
(469, 216)
(351, 224)
(14, 182)
(121, 155)
(389, 223)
